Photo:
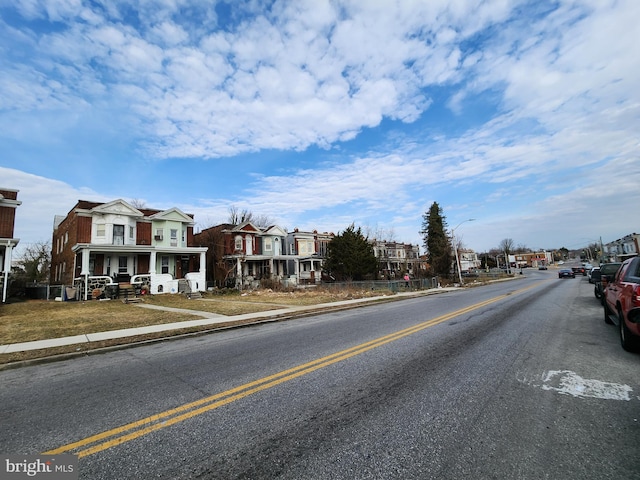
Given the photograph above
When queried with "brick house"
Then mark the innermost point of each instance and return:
(244, 254)
(8, 204)
(99, 244)
(396, 258)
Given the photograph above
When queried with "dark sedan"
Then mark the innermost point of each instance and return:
(566, 273)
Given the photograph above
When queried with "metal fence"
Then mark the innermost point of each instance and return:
(392, 285)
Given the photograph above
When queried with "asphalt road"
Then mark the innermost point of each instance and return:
(516, 380)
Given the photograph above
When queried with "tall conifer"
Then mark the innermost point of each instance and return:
(436, 241)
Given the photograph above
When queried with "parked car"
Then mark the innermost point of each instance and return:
(566, 273)
(470, 273)
(578, 270)
(590, 273)
(622, 303)
(607, 270)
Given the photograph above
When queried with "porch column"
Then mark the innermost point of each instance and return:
(203, 262)
(152, 262)
(85, 262)
(6, 269)
(271, 272)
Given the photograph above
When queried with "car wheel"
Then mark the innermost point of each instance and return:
(595, 292)
(629, 341)
(607, 319)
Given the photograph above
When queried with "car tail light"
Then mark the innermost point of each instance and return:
(635, 296)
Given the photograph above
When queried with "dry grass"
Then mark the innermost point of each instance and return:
(40, 319)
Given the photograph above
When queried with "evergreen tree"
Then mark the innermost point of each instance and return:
(350, 256)
(436, 241)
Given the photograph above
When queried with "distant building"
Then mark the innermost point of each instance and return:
(396, 258)
(622, 248)
(468, 260)
(531, 259)
(8, 205)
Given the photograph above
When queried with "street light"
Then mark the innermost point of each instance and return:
(455, 247)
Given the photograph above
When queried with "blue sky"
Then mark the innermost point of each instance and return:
(524, 115)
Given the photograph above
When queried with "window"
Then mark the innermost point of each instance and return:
(131, 232)
(174, 237)
(118, 234)
(100, 230)
(238, 245)
(268, 246)
(159, 234)
(184, 235)
(164, 262)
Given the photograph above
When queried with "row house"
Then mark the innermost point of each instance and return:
(244, 255)
(396, 258)
(622, 248)
(99, 244)
(8, 205)
(307, 251)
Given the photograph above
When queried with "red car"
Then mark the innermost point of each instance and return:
(622, 302)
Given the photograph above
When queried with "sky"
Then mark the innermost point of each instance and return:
(521, 115)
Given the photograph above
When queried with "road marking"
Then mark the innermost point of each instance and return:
(133, 430)
(569, 383)
(566, 382)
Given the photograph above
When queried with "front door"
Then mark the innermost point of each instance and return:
(184, 266)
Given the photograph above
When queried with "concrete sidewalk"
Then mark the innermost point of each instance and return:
(208, 319)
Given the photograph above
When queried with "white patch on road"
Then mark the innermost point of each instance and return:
(567, 382)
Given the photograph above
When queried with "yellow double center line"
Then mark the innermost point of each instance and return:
(131, 431)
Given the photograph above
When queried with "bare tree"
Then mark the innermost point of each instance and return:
(506, 246)
(137, 203)
(34, 263)
(236, 217)
(378, 233)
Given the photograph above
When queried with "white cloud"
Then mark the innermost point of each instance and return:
(557, 81)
